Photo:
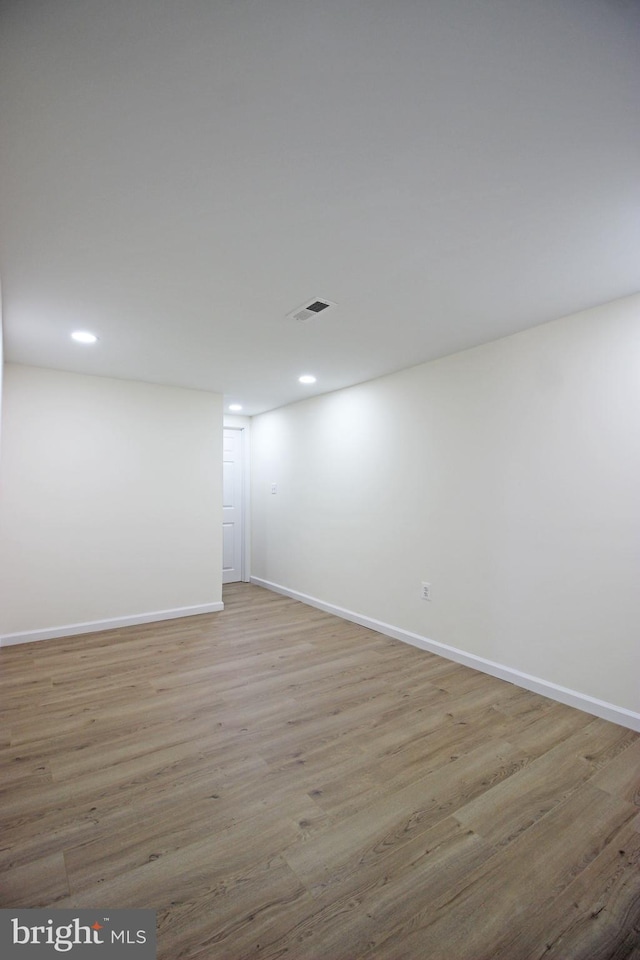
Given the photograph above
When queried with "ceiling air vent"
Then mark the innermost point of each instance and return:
(310, 310)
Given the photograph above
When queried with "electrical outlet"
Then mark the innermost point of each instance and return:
(425, 591)
(274, 488)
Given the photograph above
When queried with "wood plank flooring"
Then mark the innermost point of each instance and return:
(277, 782)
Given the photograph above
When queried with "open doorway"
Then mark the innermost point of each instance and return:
(234, 560)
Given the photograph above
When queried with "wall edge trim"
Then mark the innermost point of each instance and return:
(113, 623)
(546, 688)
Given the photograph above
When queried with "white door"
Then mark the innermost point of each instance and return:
(232, 505)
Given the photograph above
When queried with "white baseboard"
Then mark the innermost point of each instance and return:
(93, 626)
(572, 698)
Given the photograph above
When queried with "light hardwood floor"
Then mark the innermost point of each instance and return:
(277, 782)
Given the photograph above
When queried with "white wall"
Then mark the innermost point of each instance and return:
(111, 500)
(240, 423)
(507, 476)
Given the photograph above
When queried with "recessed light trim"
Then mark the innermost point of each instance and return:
(235, 407)
(307, 378)
(83, 336)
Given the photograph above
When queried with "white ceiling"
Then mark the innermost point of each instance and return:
(178, 175)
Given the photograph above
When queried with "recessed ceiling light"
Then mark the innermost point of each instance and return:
(234, 407)
(83, 336)
(307, 378)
